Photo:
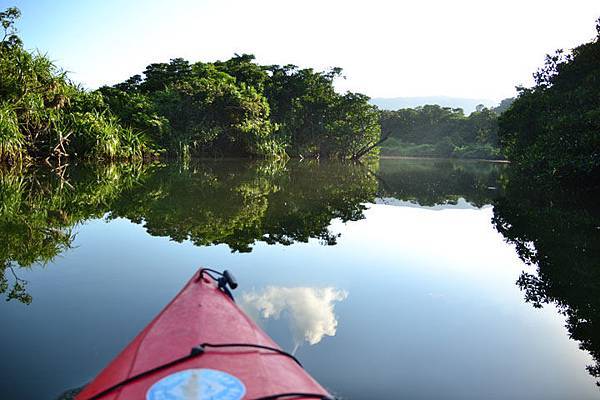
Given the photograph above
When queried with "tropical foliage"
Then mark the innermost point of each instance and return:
(44, 115)
(238, 107)
(230, 108)
(436, 131)
(553, 129)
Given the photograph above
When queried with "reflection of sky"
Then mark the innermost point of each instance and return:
(433, 310)
(310, 311)
(391, 201)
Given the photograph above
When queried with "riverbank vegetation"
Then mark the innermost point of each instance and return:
(552, 130)
(241, 108)
(231, 108)
(44, 115)
(434, 131)
(551, 134)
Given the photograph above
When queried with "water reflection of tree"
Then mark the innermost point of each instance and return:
(39, 209)
(240, 203)
(230, 202)
(559, 234)
(439, 182)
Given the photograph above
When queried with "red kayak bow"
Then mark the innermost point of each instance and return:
(203, 346)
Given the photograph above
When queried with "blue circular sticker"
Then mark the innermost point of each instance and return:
(197, 384)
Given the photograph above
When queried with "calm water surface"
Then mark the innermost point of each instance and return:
(398, 280)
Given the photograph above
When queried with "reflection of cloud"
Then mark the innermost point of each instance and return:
(310, 310)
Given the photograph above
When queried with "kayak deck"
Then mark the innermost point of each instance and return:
(165, 362)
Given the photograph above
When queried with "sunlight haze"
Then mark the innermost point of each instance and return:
(386, 48)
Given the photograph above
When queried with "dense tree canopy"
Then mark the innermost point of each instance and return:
(238, 107)
(553, 128)
(194, 109)
(234, 108)
(432, 130)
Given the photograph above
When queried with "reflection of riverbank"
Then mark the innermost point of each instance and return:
(212, 202)
(308, 311)
(460, 204)
(444, 159)
(555, 231)
(433, 182)
(232, 202)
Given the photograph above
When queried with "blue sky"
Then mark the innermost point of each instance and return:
(459, 48)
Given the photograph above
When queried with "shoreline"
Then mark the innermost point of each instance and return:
(442, 158)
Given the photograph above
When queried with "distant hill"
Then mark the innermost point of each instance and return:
(395, 103)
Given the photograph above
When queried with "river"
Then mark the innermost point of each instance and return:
(412, 279)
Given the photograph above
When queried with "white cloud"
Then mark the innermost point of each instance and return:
(310, 311)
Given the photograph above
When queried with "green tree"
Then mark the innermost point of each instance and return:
(195, 109)
(552, 130)
(235, 108)
(504, 105)
(432, 130)
(245, 70)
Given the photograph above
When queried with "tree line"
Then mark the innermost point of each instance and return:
(435, 131)
(552, 130)
(549, 131)
(231, 108)
(241, 108)
(551, 135)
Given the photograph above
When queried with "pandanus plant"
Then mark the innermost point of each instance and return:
(44, 115)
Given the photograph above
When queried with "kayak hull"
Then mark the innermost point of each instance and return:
(201, 313)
